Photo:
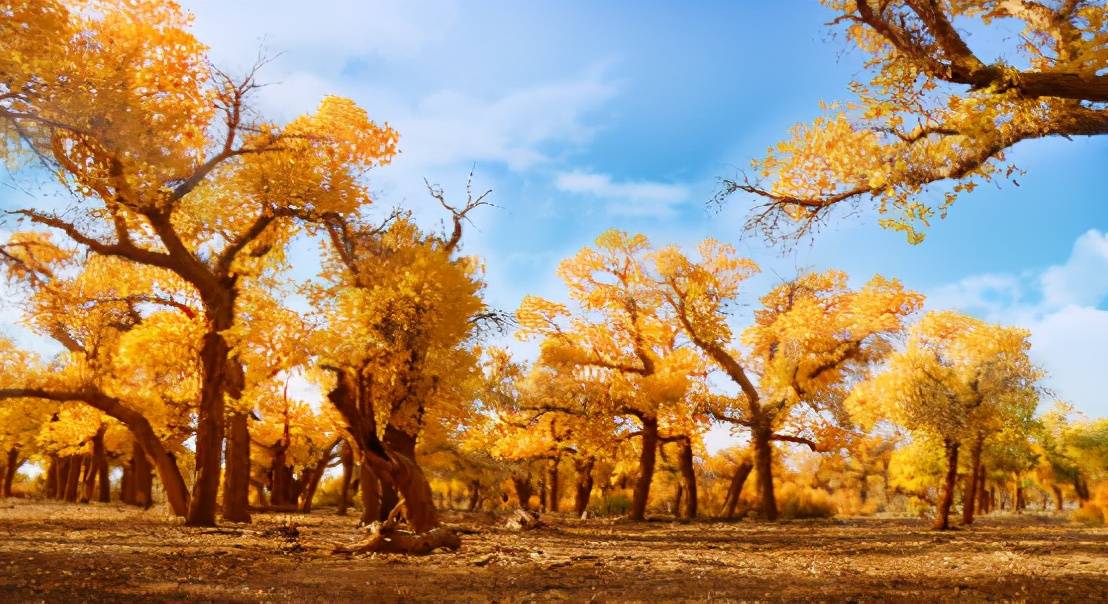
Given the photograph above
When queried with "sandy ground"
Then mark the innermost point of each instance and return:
(55, 552)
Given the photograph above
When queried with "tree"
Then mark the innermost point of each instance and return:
(621, 336)
(959, 380)
(185, 180)
(810, 339)
(935, 120)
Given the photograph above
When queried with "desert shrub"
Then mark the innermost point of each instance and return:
(794, 502)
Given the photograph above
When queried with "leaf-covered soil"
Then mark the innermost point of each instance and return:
(99, 553)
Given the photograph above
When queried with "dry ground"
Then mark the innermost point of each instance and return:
(98, 553)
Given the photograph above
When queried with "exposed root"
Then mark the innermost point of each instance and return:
(386, 538)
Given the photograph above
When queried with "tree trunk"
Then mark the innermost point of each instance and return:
(1081, 488)
(677, 497)
(1017, 495)
(736, 489)
(371, 495)
(969, 495)
(584, 485)
(1058, 501)
(73, 478)
(236, 483)
(143, 477)
(95, 460)
(10, 468)
(103, 479)
(982, 493)
(946, 500)
(688, 475)
(474, 495)
(404, 444)
(346, 457)
(88, 478)
(63, 477)
(522, 486)
(127, 484)
(312, 484)
(647, 457)
(763, 463)
(52, 476)
(552, 485)
(214, 357)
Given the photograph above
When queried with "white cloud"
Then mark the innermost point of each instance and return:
(636, 198)
(1061, 307)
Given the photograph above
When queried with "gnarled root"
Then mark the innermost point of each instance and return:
(386, 538)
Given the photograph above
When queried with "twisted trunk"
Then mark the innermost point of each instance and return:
(405, 444)
(371, 495)
(647, 458)
(942, 518)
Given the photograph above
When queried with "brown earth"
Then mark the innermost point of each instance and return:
(57, 552)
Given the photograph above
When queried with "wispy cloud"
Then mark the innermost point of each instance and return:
(634, 198)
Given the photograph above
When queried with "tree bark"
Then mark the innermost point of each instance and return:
(405, 444)
(647, 457)
(552, 486)
(982, 493)
(214, 356)
(63, 477)
(73, 478)
(969, 495)
(346, 457)
(52, 476)
(736, 489)
(143, 477)
(688, 475)
(522, 486)
(371, 495)
(236, 482)
(312, 484)
(10, 468)
(127, 484)
(946, 500)
(763, 463)
(104, 480)
(474, 495)
(1058, 501)
(584, 485)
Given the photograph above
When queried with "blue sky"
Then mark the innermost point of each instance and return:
(588, 115)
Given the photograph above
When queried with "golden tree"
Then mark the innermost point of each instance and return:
(810, 339)
(933, 111)
(168, 167)
(959, 380)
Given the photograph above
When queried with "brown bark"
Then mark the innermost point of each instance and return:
(346, 457)
(1018, 503)
(946, 500)
(736, 488)
(236, 482)
(678, 495)
(312, 483)
(10, 468)
(688, 475)
(474, 495)
(969, 493)
(214, 356)
(1058, 500)
(63, 477)
(142, 477)
(127, 485)
(103, 479)
(371, 495)
(982, 493)
(522, 486)
(94, 463)
(52, 476)
(552, 486)
(73, 478)
(404, 444)
(584, 485)
(763, 463)
(647, 457)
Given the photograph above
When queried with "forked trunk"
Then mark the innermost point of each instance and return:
(688, 476)
(647, 457)
(763, 463)
(584, 484)
(942, 518)
(316, 475)
(236, 483)
(736, 488)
